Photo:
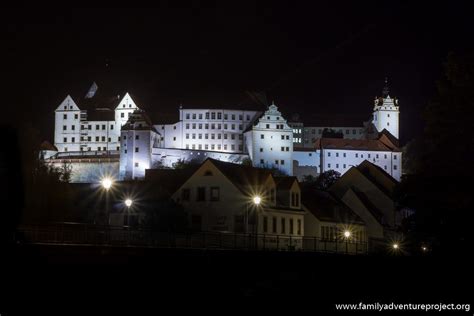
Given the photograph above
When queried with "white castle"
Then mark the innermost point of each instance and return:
(113, 134)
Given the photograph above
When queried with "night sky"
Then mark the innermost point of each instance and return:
(314, 59)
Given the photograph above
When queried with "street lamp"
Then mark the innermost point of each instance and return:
(395, 246)
(347, 235)
(128, 203)
(107, 183)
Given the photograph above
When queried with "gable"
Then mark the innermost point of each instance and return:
(126, 103)
(68, 104)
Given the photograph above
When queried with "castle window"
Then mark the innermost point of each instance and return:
(65, 139)
(122, 114)
(232, 136)
(194, 116)
(219, 116)
(261, 161)
(188, 116)
(282, 162)
(65, 116)
(73, 127)
(76, 116)
(200, 116)
(394, 167)
(136, 149)
(213, 115)
(233, 126)
(261, 150)
(233, 117)
(137, 137)
(103, 126)
(262, 136)
(64, 127)
(136, 164)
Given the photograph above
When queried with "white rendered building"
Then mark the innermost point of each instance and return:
(92, 123)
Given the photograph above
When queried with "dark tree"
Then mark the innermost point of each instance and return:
(330, 133)
(326, 179)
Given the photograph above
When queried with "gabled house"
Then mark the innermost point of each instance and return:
(226, 197)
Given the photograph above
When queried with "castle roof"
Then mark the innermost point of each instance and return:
(356, 144)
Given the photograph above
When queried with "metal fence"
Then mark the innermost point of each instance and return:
(85, 234)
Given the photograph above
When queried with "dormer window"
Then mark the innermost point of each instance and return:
(124, 105)
(129, 105)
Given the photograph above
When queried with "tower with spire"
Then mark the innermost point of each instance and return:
(386, 112)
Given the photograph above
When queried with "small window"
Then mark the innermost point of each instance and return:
(262, 161)
(137, 137)
(136, 164)
(185, 194)
(201, 194)
(283, 225)
(65, 116)
(215, 193)
(262, 136)
(265, 224)
(136, 149)
(274, 225)
(76, 116)
(261, 150)
(65, 139)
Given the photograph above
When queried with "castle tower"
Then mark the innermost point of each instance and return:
(137, 137)
(386, 112)
(270, 142)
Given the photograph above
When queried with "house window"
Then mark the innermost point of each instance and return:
(111, 127)
(274, 225)
(185, 194)
(207, 115)
(291, 226)
(337, 154)
(283, 225)
(213, 115)
(357, 155)
(89, 138)
(267, 125)
(265, 224)
(200, 116)
(201, 194)
(261, 150)
(194, 116)
(188, 116)
(215, 193)
(174, 138)
(124, 151)
(282, 148)
(337, 165)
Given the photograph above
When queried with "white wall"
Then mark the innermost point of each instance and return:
(67, 129)
(386, 116)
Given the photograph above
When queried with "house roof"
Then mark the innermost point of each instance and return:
(285, 183)
(170, 179)
(138, 116)
(240, 175)
(355, 144)
(365, 200)
(48, 146)
(324, 206)
(377, 176)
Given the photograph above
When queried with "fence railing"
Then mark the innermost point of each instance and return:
(85, 234)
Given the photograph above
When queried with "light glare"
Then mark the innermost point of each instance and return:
(128, 202)
(107, 183)
(257, 200)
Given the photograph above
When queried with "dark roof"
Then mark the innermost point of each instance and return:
(138, 116)
(101, 114)
(242, 176)
(388, 139)
(324, 206)
(374, 173)
(170, 179)
(254, 122)
(48, 146)
(285, 183)
(369, 205)
(353, 144)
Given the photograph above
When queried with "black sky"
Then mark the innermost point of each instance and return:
(315, 58)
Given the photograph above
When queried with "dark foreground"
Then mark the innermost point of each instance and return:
(120, 275)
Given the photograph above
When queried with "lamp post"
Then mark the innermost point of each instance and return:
(347, 235)
(107, 184)
(128, 203)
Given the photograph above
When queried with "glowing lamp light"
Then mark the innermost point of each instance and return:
(395, 246)
(107, 183)
(347, 234)
(257, 200)
(128, 202)
(424, 248)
